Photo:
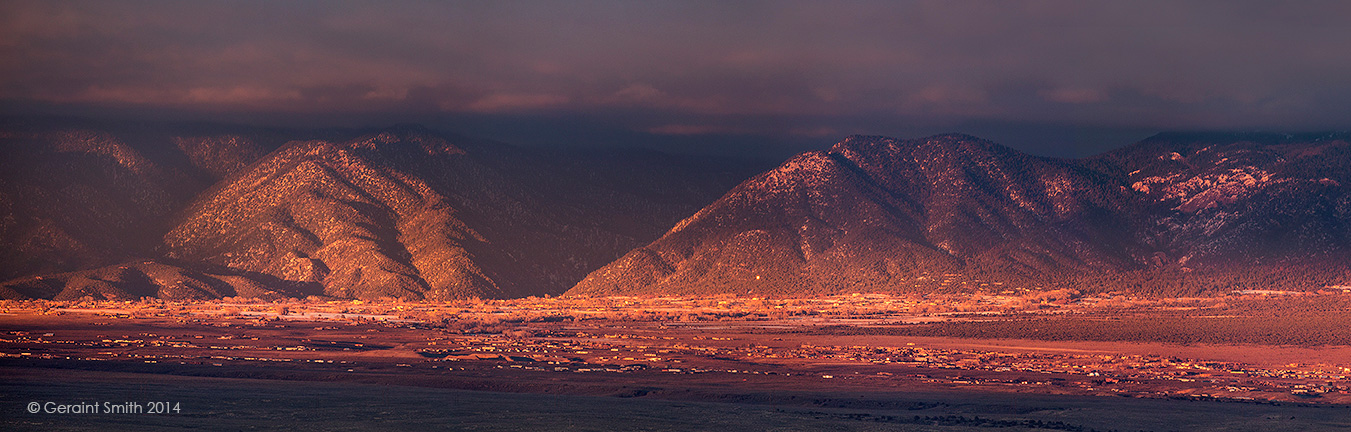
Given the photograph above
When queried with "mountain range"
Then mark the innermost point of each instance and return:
(122, 211)
(115, 212)
(1176, 214)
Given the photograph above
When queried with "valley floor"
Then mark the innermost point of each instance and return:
(645, 364)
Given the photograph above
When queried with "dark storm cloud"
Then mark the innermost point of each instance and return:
(804, 69)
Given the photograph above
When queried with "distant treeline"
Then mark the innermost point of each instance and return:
(1176, 283)
(1328, 328)
(1165, 282)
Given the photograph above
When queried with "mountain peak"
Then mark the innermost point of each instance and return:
(429, 142)
(876, 212)
(856, 147)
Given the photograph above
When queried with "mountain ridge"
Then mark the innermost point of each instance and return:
(1006, 218)
(403, 212)
(124, 212)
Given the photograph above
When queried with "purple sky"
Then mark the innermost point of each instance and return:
(1051, 77)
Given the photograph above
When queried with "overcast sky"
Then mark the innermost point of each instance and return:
(1063, 78)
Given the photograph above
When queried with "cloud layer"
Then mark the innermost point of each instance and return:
(689, 68)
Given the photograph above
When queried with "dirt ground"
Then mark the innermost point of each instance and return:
(599, 373)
